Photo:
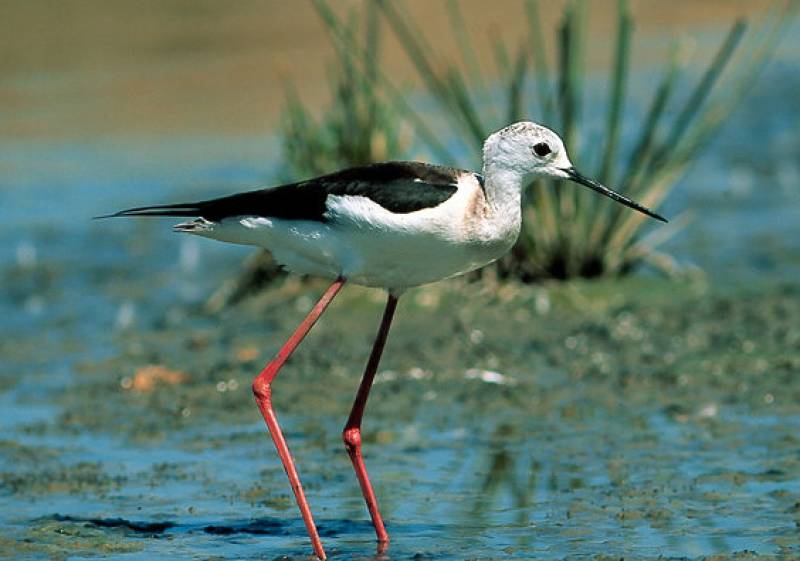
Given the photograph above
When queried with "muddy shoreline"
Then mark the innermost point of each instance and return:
(635, 412)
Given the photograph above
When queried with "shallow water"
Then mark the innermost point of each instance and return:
(611, 430)
(637, 419)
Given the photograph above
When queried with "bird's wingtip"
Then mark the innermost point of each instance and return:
(195, 226)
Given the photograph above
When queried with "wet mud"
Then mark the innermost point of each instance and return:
(631, 418)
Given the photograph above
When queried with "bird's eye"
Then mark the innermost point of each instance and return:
(541, 149)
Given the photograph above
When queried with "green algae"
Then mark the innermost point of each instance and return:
(64, 539)
(560, 414)
(629, 343)
(52, 477)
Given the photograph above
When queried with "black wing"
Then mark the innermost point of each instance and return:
(399, 187)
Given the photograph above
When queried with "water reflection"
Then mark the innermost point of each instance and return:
(505, 475)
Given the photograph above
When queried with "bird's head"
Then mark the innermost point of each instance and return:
(532, 150)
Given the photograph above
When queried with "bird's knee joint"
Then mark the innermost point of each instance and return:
(352, 437)
(262, 389)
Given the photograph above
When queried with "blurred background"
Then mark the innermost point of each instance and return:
(611, 388)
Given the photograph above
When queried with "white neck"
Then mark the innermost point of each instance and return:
(503, 189)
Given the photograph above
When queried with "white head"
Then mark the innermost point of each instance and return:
(529, 150)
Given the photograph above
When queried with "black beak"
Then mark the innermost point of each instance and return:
(573, 175)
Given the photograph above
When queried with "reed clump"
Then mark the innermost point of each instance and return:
(567, 232)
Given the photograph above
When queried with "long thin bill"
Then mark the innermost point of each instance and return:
(573, 174)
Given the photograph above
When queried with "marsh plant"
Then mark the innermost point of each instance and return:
(360, 126)
(566, 232)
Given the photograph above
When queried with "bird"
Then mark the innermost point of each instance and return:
(390, 225)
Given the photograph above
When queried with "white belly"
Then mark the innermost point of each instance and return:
(369, 245)
(401, 260)
(376, 257)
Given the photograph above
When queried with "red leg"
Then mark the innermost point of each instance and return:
(263, 392)
(352, 431)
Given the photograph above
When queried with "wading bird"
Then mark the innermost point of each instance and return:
(392, 225)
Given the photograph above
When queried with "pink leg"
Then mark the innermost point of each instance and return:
(352, 431)
(263, 392)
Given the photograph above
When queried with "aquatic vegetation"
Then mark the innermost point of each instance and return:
(567, 232)
(359, 127)
(582, 419)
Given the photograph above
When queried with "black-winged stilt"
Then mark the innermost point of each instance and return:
(392, 225)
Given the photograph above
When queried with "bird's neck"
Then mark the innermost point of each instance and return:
(503, 188)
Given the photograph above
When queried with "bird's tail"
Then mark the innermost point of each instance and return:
(180, 209)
